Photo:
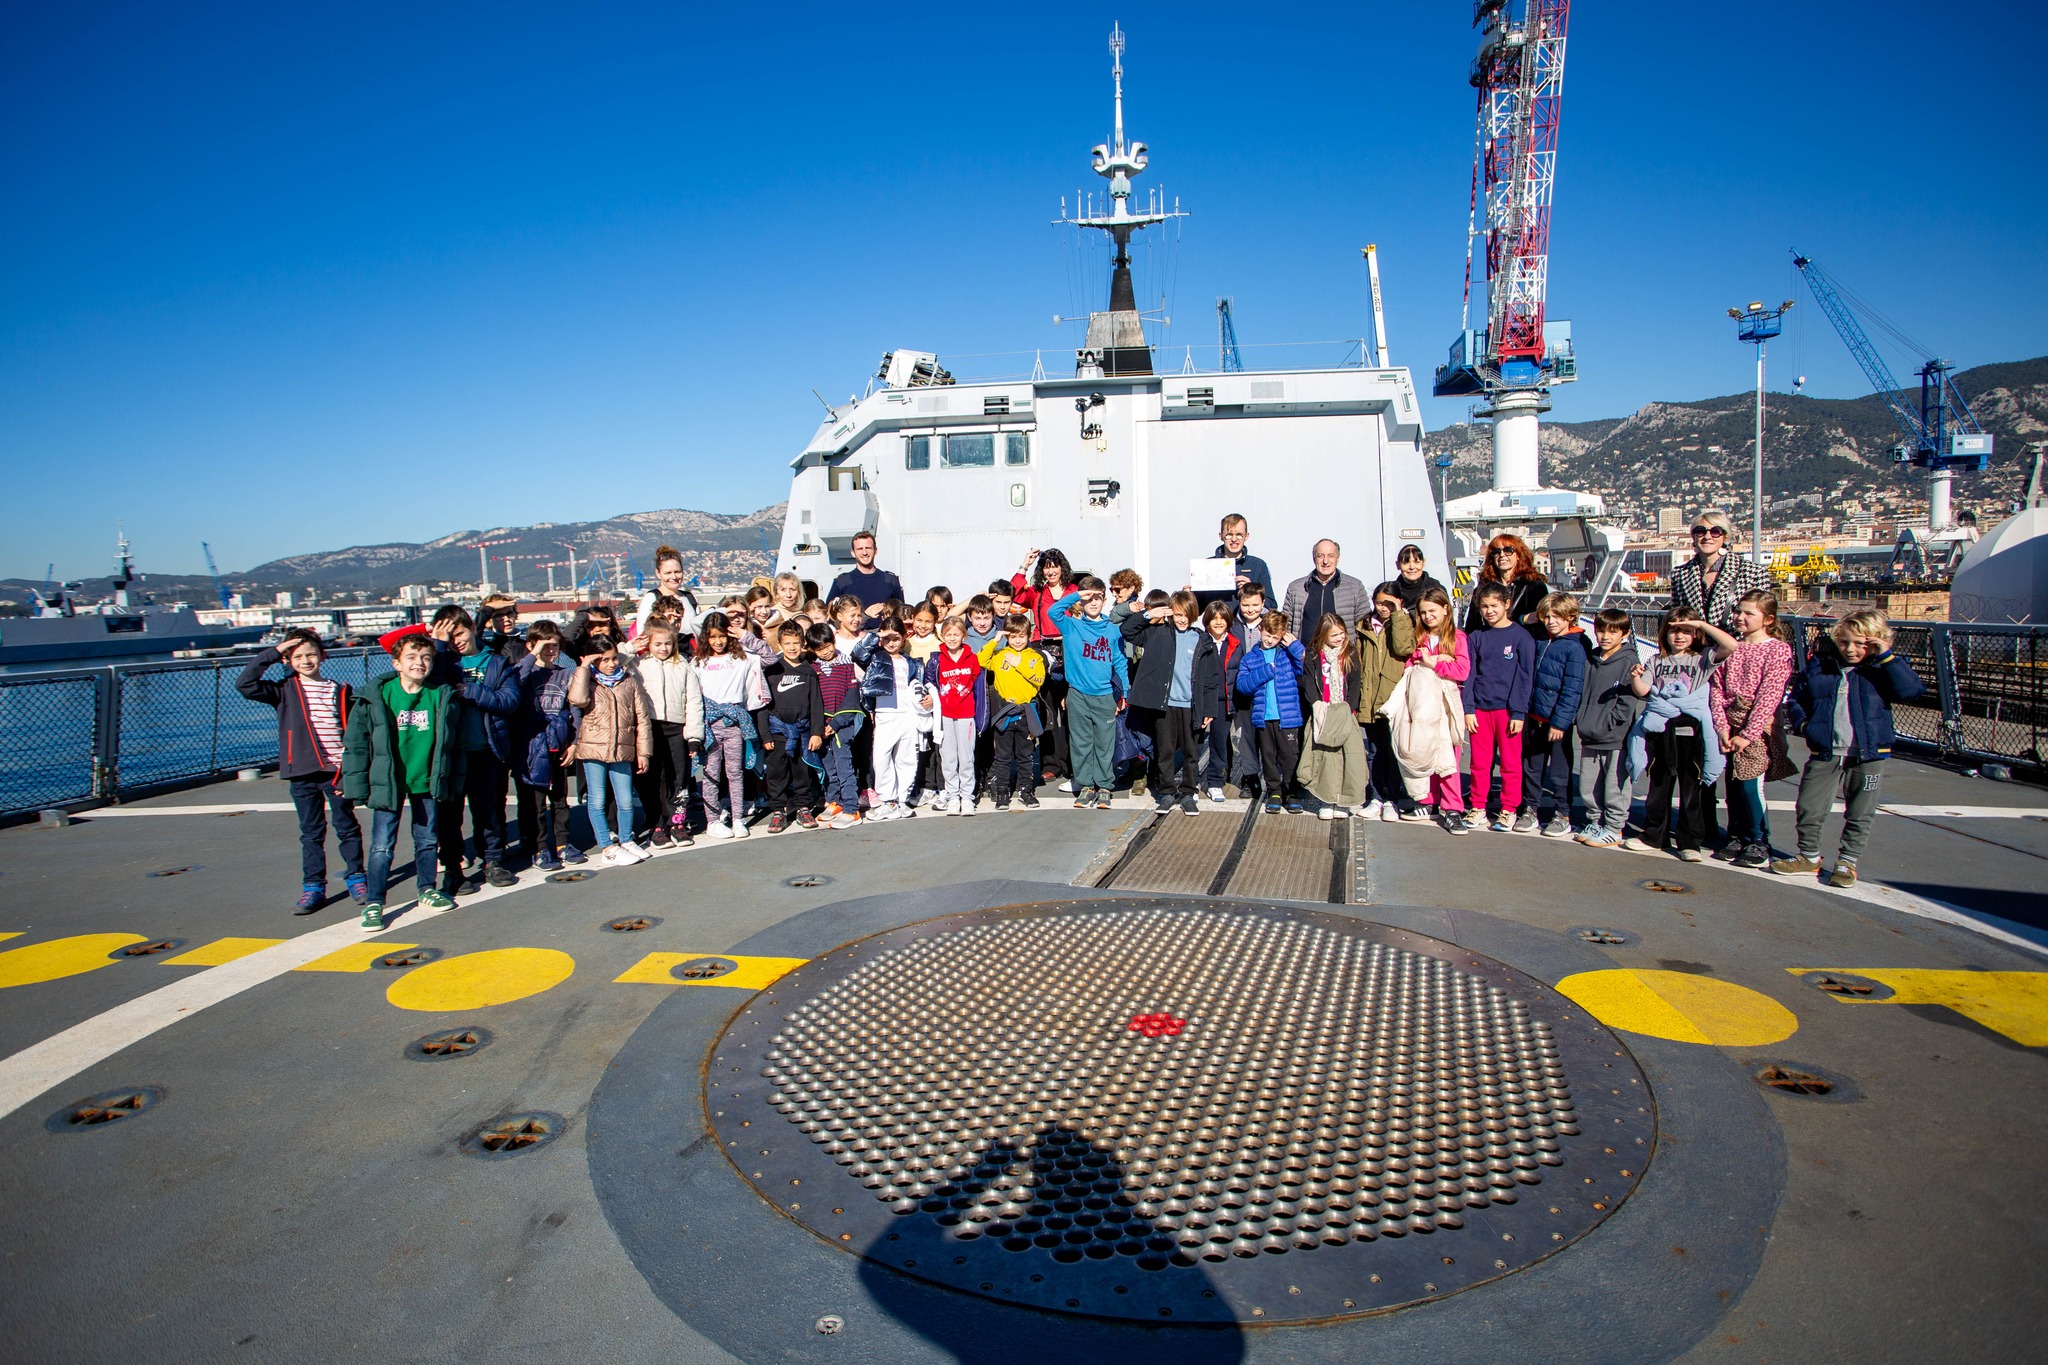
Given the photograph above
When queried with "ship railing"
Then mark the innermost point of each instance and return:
(1987, 687)
(78, 737)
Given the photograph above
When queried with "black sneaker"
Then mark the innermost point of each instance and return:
(496, 875)
(1164, 805)
(1729, 852)
(573, 855)
(1188, 805)
(806, 820)
(1754, 855)
(1272, 805)
(1294, 805)
(778, 822)
(1002, 803)
(1028, 798)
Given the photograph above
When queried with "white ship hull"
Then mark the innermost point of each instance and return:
(1303, 454)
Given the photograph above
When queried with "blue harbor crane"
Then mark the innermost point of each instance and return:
(1944, 436)
(220, 589)
(1226, 337)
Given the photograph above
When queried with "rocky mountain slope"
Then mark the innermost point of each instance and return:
(717, 547)
(1818, 452)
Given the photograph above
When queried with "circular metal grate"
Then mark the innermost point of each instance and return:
(1154, 1111)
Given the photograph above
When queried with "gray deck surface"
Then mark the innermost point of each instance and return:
(298, 1193)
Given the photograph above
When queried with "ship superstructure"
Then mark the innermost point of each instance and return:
(1117, 466)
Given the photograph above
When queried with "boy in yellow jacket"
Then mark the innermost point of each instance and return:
(1016, 672)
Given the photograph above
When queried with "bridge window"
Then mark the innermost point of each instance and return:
(969, 452)
(917, 452)
(1016, 448)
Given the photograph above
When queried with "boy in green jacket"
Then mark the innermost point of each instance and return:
(403, 750)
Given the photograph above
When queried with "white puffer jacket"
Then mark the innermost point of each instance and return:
(673, 692)
(1427, 718)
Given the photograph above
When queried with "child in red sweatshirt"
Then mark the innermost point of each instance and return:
(955, 671)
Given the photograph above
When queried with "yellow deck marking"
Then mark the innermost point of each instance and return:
(1682, 1007)
(475, 980)
(221, 950)
(61, 957)
(750, 974)
(357, 957)
(11, 933)
(2012, 1003)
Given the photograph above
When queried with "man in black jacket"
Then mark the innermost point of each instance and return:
(312, 716)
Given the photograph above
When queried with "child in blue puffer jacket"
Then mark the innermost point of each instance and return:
(1271, 676)
(1553, 708)
(1841, 702)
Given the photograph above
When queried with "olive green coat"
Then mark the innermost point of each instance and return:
(1381, 658)
(369, 755)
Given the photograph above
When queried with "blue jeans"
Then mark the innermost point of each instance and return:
(384, 838)
(315, 797)
(1746, 811)
(595, 775)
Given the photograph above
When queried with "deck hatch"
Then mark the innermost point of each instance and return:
(1344, 1116)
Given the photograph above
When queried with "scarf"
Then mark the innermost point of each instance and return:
(611, 679)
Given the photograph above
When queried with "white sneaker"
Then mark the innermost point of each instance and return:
(1067, 786)
(941, 806)
(966, 808)
(718, 829)
(1215, 793)
(739, 829)
(637, 853)
(1369, 809)
(1389, 811)
(615, 856)
(1326, 812)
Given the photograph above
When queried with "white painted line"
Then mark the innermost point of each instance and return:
(1965, 812)
(56, 1059)
(105, 812)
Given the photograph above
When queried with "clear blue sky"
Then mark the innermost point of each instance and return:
(289, 280)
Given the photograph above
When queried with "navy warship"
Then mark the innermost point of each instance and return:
(1100, 1085)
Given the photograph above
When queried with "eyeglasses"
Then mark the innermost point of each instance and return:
(1708, 531)
(1507, 550)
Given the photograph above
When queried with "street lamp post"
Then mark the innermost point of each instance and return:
(1757, 324)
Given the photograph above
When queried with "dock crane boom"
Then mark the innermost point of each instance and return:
(1944, 436)
(1226, 338)
(220, 589)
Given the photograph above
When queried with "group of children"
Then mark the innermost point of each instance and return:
(827, 714)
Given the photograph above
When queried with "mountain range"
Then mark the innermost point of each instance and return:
(1819, 453)
(716, 547)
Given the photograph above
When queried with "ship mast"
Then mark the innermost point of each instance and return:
(1116, 338)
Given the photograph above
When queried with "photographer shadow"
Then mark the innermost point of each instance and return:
(1053, 1226)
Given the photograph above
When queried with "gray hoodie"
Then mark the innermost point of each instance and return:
(1609, 706)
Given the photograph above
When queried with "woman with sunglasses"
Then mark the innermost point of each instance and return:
(1713, 581)
(1509, 563)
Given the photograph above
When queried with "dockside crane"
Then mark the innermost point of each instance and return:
(1226, 338)
(1512, 361)
(1943, 437)
(220, 589)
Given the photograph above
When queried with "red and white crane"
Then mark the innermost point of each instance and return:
(1514, 359)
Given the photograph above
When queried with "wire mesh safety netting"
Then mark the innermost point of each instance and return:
(49, 731)
(171, 723)
(2001, 701)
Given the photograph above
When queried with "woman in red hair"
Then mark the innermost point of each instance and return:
(1509, 563)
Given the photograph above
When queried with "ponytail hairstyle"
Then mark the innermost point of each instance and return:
(666, 552)
(1768, 602)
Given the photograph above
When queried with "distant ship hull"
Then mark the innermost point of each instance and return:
(65, 639)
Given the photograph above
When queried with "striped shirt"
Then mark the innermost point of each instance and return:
(323, 714)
